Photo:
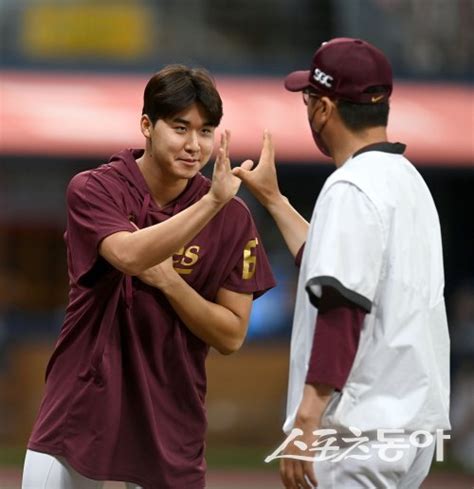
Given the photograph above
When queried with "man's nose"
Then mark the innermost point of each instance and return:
(192, 143)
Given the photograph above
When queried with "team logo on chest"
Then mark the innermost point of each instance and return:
(185, 259)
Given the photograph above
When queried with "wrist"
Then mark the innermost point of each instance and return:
(170, 283)
(307, 418)
(275, 202)
(213, 202)
(314, 402)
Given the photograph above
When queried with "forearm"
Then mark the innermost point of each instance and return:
(138, 251)
(292, 225)
(213, 323)
(315, 400)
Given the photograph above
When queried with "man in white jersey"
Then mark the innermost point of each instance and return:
(370, 344)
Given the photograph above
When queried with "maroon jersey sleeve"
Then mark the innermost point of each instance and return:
(251, 271)
(92, 214)
(336, 340)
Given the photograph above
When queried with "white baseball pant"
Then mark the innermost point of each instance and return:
(375, 473)
(43, 471)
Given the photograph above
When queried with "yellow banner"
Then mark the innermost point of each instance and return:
(115, 31)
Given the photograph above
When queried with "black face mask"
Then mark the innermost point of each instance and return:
(319, 142)
(317, 137)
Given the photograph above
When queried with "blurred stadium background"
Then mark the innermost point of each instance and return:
(72, 74)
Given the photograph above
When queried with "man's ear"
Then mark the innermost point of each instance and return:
(327, 106)
(146, 126)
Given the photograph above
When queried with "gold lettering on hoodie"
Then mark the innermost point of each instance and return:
(186, 257)
(249, 260)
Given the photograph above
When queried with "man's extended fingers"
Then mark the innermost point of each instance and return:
(309, 472)
(272, 146)
(221, 158)
(268, 153)
(227, 142)
(286, 472)
(223, 153)
(267, 137)
(222, 141)
(296, 474)
(299, 481)
(219, 162)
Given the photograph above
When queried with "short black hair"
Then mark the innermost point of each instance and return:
(358, 117)
(176, 87)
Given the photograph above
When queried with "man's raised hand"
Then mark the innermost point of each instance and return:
(224, 183)
(262, 181)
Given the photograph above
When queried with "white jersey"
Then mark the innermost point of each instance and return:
(375, 236)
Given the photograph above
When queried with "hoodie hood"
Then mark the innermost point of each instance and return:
(125, 164)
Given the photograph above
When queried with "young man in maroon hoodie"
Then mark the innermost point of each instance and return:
(163, 263)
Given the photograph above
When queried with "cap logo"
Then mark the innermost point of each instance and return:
(322, 78)
(377, 99)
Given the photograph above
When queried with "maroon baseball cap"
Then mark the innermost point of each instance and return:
(346, 68)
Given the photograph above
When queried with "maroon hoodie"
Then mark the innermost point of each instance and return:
(126, 383)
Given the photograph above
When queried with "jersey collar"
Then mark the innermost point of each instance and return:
(385, 147)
